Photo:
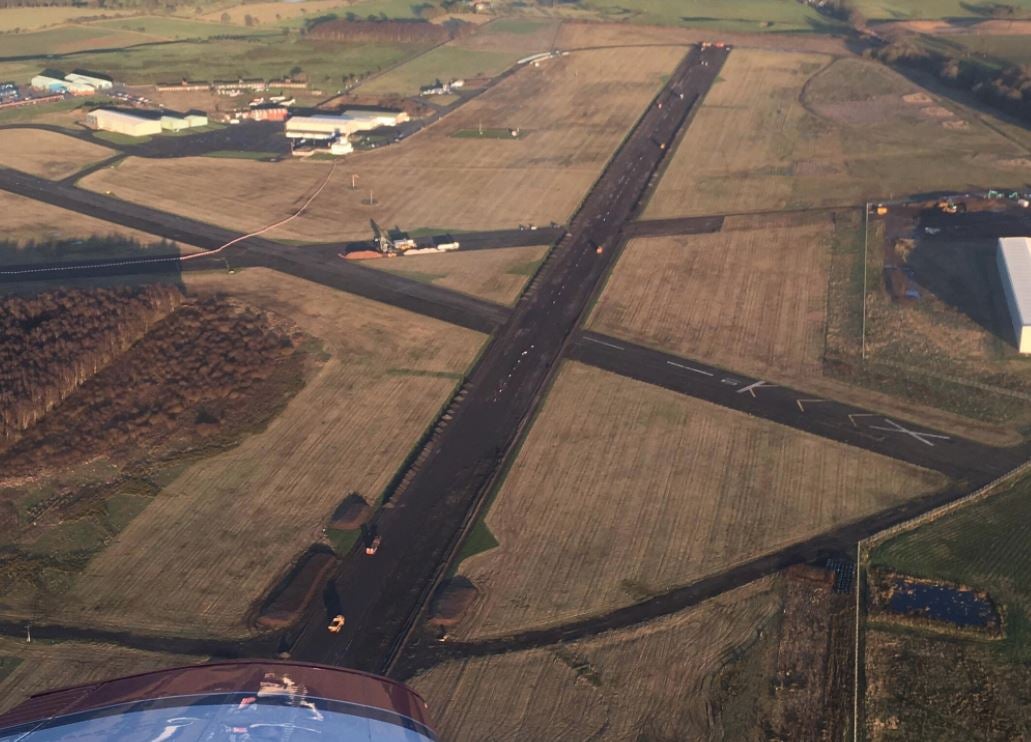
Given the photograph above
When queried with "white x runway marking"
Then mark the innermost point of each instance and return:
(922, 437)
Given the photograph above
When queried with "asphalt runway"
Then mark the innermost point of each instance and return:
(382, 596)
(894, 436)
(382, 286)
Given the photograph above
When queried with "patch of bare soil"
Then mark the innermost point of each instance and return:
(803, 706)
(286, 603)
(352, 513)
(452, 600)
(942, 688)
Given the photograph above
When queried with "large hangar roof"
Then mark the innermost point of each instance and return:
(1016, 256)
(262, 699)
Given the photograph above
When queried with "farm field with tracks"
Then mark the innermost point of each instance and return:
(653, 681)
(623, 490)
(48, 154)
(494, 275)
(28, 222)
(221, 533)
(788, 130)
(574, 111)
(753, 300)
(43, 665)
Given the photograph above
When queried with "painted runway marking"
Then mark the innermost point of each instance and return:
(755, 385)
(602, 342)
(854, 415)
(922, 437)
(690, 368)
(732, 382)
(799, 402)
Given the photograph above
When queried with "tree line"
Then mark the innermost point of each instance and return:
(196, 370)
(52, 342)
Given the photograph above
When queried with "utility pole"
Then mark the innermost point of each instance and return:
(354, 182)
(866, 239)
(481, 127)
(28, 633)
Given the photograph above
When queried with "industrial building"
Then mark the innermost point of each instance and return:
(331, 126)
(122, 122)
(50, 81)
(93, 79)
(179, 122)
(1014, 261)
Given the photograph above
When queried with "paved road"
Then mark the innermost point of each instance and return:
(378, 285)
(382, 596)
(892, 436)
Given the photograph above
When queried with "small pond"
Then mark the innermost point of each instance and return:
(946, 603)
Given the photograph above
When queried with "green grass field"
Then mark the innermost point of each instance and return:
(983, 545)
(180, 28)
(269, 57)
(744, 15)
(29, 19)
(69, 39)
(443, 63)
(894, 10)
(488, 134)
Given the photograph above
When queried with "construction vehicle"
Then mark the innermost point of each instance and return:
(372, 539)
(720, 45)
(948, 206)
(706, 44)
(879, 209)
(994, 194)
(336, 624)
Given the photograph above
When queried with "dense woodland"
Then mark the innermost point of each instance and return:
(195, 369)
(52, 342)
(1008, 89)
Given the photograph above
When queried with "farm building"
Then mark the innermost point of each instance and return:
(93, 79)
(331, 126)
(1014, 260)
(121, 122)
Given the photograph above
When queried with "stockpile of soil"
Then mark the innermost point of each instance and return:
(351, 514)
(292, 595)
(453, 598)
